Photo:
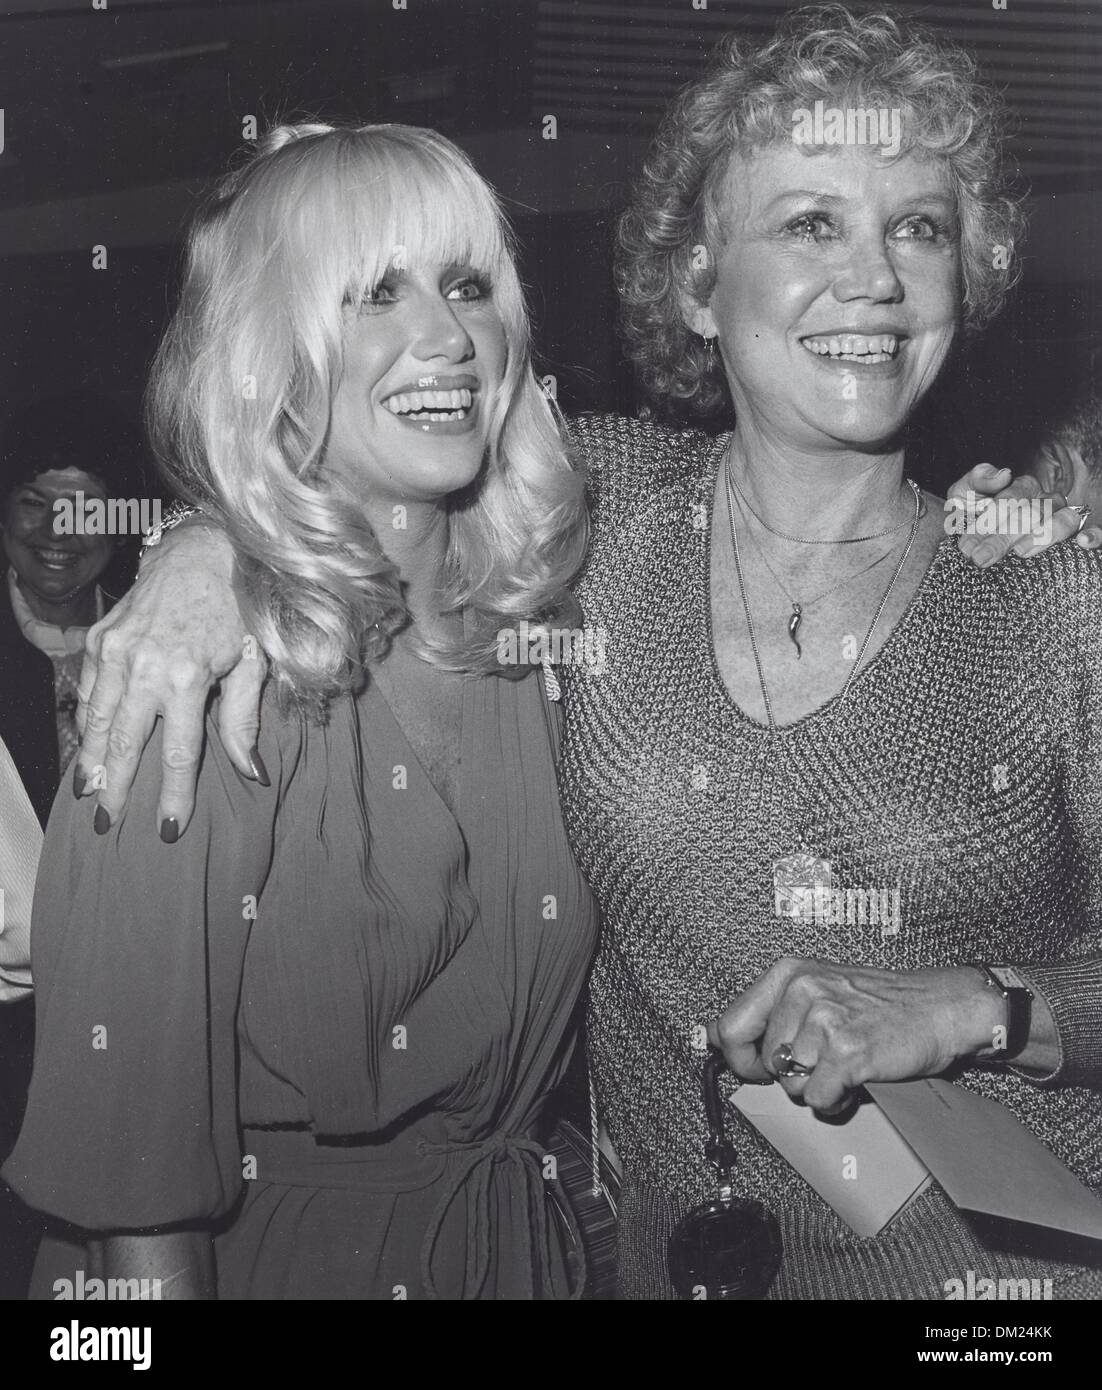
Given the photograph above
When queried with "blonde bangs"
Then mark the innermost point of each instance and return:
(400, 199)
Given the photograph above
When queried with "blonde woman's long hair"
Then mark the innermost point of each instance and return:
(241, 393)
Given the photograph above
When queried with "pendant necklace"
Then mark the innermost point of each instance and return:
(801, 875)
(800, 607)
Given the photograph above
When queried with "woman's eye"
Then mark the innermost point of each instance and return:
(469, 291)
(810, 226)
(921, 229)
(383, 293)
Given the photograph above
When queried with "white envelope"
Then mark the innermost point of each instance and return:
(869, 1165)
(860, 1165)
(985, 1158)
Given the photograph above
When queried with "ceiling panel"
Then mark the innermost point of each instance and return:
(152, 92)
(613, 66)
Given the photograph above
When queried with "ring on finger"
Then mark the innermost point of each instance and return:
(784, 1064)
(1082, 512)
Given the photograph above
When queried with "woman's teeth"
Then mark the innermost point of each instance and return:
(854, 347)
(430, 405)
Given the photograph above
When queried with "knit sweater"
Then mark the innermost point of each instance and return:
(963, 769)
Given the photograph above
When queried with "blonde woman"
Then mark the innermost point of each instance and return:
(303, 1053)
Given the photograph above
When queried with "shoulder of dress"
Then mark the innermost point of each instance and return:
(628, 461)
(1053, 601)
(1063, 583)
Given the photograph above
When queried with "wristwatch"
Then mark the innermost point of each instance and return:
(1019, 1006)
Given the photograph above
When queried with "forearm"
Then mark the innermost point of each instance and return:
(194, 531)
(1059, 1029)
(15, 922)
(15, 957)
(20, 847)
(182, 1262)
(1071, 995)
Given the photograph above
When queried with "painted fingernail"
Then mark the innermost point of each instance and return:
(102, 822)
(260, 772)
(79, 783)
(170, 830)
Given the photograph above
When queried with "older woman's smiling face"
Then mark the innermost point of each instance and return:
(837, 294)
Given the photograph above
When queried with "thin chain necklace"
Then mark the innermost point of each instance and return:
(799, 607)
(801, 870)
(875, 617)
(805, 540)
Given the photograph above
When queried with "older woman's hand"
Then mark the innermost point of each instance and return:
(849, 1024)
(159, 652)
(986, 481)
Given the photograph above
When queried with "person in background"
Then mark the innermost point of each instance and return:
(59, 457)
(58, 450)
(1069, 458)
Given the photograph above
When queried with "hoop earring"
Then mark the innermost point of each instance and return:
(710, 357)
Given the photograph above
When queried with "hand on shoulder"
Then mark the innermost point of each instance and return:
(994, 514)
(159, 653)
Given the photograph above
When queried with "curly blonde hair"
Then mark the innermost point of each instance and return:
(241, 394)
(745, 100)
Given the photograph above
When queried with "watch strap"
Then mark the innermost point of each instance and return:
(1019, 1006)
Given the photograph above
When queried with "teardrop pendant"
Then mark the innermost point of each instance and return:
(794, 627)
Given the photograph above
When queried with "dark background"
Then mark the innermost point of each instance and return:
(115, 118)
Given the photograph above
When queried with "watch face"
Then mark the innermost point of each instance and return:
(1008, 977)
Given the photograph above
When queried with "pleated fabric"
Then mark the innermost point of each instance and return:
(325, 1021)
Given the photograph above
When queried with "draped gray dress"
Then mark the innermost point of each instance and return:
(326, 1021)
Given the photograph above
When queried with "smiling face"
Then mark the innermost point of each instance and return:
(53, 568)
(837, 293)
(424, 360)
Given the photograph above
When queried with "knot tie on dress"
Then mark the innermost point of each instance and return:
(479, 1163)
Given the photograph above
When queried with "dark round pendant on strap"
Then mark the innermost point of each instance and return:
(729, 1248)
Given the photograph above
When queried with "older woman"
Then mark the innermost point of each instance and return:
(805, 685)
(808, 687)
(305, 1053)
